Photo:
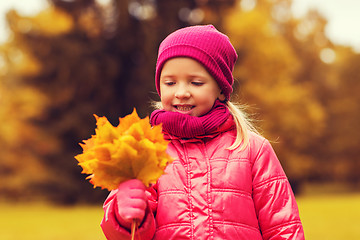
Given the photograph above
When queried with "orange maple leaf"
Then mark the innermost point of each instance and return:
(131, 150)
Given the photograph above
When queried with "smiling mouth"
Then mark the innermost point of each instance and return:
(184, 108)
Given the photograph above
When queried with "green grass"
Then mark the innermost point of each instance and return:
(329, 217)
(45, 222)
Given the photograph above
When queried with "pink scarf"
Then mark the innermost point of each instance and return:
(186, 126)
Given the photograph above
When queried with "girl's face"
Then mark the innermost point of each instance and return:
(187, 87)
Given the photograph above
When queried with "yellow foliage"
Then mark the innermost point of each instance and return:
(51, 22)
(22, 62)
(18, 105)
(269, 57)
(131, 150)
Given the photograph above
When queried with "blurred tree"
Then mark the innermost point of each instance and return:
(20, 102)
(328, 69)
(267, 71)
(338, 150)
(83, 58)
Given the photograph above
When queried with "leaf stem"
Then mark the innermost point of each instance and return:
(133, 229)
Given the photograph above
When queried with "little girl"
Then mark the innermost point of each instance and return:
(225, 181)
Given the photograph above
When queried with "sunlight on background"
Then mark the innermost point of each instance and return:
(327, 55)
(343, 16)
(28, 7)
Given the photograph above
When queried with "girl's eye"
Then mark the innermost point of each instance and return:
(197, 83)
(169, 83)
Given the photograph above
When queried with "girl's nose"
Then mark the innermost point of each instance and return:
(182, 92)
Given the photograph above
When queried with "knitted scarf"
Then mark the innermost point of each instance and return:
(186, 126)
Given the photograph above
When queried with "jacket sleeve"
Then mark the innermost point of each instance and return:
(274, 200)
(114, 231)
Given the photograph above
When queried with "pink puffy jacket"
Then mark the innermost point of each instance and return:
(209, 192)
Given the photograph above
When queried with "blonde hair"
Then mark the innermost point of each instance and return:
(242, 121)
(243, 125)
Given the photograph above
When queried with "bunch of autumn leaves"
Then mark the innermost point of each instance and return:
(132, 150)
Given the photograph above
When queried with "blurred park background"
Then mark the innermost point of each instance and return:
(76, 58)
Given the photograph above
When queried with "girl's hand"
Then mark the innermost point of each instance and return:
(132, 202)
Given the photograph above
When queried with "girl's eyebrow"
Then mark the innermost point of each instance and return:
(166, 74)
(192, 74)
(169, 76)
(197, 75)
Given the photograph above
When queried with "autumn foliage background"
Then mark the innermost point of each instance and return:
(84, 57)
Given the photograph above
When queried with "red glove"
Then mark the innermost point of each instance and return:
(131, 201)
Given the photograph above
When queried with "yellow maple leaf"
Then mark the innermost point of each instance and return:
(131, 150)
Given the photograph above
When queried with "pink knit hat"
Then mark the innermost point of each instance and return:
(205, 44)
